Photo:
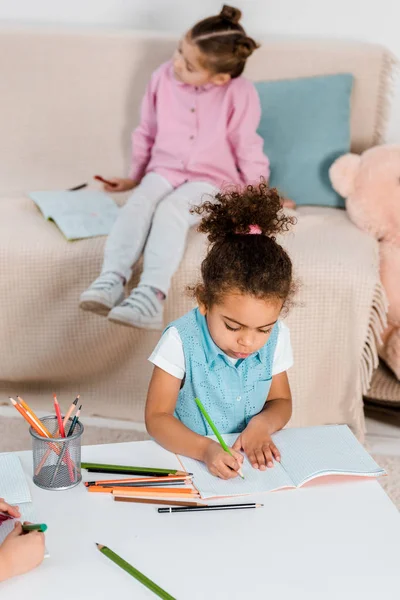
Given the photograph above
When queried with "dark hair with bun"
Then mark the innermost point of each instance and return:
(223, 42)
(252, 264)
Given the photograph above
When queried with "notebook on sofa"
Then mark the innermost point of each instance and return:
(78, 214)
(15, 490)
(306, 453)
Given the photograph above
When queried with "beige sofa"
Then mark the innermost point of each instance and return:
(69, 100)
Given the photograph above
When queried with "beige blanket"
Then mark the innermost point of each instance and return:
(47, 344)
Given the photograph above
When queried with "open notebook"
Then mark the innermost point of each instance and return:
(306, 453)
(14, 489)
(80, 214)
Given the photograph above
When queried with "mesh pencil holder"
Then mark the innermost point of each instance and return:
(57, 461)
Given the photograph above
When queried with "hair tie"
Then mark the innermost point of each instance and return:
(253, 230)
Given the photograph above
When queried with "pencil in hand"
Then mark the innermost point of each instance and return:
(27, 527)
(216, 432)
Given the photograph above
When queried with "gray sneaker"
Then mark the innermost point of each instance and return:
(141, 309)
(105, 292)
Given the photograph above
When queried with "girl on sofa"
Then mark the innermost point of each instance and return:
(197, 131)
(19, 553)
(232, 351)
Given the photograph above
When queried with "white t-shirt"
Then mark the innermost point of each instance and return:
(168, 355)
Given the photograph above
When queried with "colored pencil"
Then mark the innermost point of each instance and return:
(34, 426)
(74, 421)
(215, 430)
(100, 178)
(155, 480)
(151, 484)
(127, 470)
(5, 517)
(28, 418)
(70, 432)
(77, 187)
(62, 433)
(210, 507)
(180, 497)
(136, 491)
(38, 527)
(163, 484)
(59, 417)
(66, 419)
(33, 416)
(155, 501)
(134, 573)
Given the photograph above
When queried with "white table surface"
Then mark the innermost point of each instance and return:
(325, 542)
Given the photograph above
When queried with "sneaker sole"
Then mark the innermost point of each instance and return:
(127, 323)
(97, 307)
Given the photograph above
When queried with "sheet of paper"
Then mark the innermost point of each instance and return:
(13, 485)
(329, 449)
(254, 481)
(306, 452)
(81, 214)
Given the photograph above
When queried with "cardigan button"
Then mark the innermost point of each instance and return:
(239, 398)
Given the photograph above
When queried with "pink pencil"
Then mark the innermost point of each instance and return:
(62, 432)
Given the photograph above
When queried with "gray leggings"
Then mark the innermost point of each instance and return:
(156, 217)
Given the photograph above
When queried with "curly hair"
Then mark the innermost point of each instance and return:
(251, 264)
(223, 42)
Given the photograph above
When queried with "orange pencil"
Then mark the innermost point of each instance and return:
(28, 418)
(98, 489)
(93, 489)
(33, 416)
(152, 493)
(153, 490)
(33, 424)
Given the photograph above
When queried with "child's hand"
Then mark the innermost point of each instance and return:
(221, 463)
(121, 185)
(13, 511)
(20, 553)
(258, 445)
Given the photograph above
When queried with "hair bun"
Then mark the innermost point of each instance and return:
(236, 210)
(230, 13)
(245, 47)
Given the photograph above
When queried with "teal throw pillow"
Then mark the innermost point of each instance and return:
(305, 126)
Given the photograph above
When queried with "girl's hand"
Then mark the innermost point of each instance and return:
(258, 445)
(121, 185)
(20, 553)
(13, 511)
(221, 463)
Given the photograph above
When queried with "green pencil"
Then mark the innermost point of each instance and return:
(215, 430)
(134, 572)
(38, 527)
(125, 469)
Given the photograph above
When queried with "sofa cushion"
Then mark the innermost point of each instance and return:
(305, 125)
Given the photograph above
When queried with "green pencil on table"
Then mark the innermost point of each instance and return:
(134, 572)
(215, 430)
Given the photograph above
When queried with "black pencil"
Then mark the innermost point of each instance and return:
(127, 470)
(77, 187)
(209, 507)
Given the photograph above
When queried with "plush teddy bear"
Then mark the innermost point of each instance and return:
(370, 183)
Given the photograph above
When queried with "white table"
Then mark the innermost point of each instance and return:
(325, 542)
